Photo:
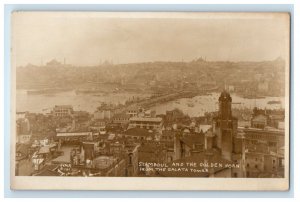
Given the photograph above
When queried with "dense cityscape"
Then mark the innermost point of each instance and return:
(131, 139)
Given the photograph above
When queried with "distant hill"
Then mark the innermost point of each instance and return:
(58, 75)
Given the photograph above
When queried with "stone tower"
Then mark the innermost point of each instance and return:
(225, 126)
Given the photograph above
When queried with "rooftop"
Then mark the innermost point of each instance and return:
(190, 140)
(266, 130)
(157, 119)
(137, 132)
(22, 148)
(63, 106)
(148, 148)
(70, 134)
(121, 115)
(204, 128)
(44, 150)
(65, 158)
(168, 132)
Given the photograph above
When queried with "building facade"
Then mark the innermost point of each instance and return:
(146, 123)
(62, 110)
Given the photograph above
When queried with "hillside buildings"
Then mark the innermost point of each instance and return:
(126, 143)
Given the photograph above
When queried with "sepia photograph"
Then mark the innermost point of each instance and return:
(153, 100)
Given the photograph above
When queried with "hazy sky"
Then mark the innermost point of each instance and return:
(87, 39)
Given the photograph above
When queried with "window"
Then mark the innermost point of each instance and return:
(256, 166)
(248, 165)
(235, 175)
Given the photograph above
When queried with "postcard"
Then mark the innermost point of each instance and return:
(150, 101)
